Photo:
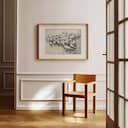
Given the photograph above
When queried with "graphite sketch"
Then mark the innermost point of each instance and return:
(63, 41)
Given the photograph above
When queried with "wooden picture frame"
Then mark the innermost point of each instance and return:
(62, 41)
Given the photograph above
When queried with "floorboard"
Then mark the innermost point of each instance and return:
(50, 119)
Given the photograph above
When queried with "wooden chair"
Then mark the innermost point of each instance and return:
(86, 80)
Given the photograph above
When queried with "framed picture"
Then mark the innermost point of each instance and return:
(62, 41)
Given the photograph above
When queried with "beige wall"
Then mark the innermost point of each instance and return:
(36, 75)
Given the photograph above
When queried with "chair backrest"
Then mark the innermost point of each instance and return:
(84, 78)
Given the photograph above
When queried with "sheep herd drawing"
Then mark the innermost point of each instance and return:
(69, 41)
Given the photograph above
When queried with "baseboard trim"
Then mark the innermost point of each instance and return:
(58, 106)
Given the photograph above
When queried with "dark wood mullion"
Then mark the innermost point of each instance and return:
(126, 99)
(110, 32)
(108, 1)
(108, 89)
(123, 59)
(116, 65)
(123, 20)
(110, 62)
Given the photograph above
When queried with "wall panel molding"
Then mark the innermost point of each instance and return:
(5, 73)
(4, 59)
(37, 84)
(46, 81)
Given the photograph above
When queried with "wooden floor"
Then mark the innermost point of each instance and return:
(50, 119)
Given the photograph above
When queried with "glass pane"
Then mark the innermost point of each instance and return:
(111, 76)
(121, 113)
(126, 80)
(126, 114)
(111, 47)
(111, 105)
(121, 41)
(108, 49)
(121, 78)
(108, 103)
(108, 76)
(108, 84)
(126, 8)
(121, 9)
(108, 18)
(111, 14)
(126, 38)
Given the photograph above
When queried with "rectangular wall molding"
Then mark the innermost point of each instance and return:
(40, 86)
(7, 77)
(4, 59)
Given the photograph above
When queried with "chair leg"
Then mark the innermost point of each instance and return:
(74, 104)
(86, 102)
(63, 105)
(94, 104)
(74, 99)
(94, 98)
(63, 100)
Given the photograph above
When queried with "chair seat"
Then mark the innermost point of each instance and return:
(78, 94)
